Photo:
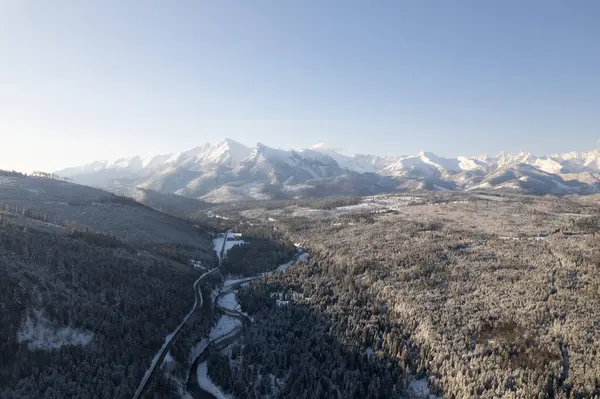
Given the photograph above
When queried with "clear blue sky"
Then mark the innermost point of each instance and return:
(84, 80)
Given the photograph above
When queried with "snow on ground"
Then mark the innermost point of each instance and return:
(536, 238)
(376, 204)
(198, 348)
(206, 383)
(362, 207)
(228, 283)
(218, 243)
(285, 266)
(282, 300)
(225, 326)
(304, 257)
(507, 238)
(249, 191)
(42, 334)
(421, 388)
(228, 301)
(300, 212)
(168, 363)
(169, 358)
(232, 243)
(209, 213)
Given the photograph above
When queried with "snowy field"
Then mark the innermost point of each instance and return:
(218, 242)
(168, 363)
(362, 207)
(225, 326)
(228, 302)
(206, 383)
(377, 203)
(374, 204)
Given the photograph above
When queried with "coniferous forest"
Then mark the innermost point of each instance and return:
(483, 297)
(81, 315)
(469, 295)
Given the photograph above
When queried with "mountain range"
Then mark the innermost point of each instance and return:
(225, 171)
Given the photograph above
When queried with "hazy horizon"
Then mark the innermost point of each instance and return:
(100, 81)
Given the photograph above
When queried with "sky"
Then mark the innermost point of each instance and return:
(86, 80)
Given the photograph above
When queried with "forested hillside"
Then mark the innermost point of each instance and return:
(79, 319)
(263, 250)
(486, 297)
(91, 285)
(463, 295)
(61, 205)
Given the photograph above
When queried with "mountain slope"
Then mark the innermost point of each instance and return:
(61, 205)
(361, 163)
(173, 204)
(91, 285)
(528, 179)
(224, 153)
(280, 166)
(225, 171)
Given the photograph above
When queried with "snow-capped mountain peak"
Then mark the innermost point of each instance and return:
(225, 152)
(138, 162)
(320, 146)
(448, 164)
(360, 163)
(226, 167)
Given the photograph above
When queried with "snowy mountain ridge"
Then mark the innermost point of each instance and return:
(227, 170)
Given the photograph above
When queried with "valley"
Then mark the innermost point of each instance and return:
(440, 293)
(482, 295)
(299, 200)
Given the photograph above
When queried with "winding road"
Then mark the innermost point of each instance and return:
(217, 344)
(160, 356)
